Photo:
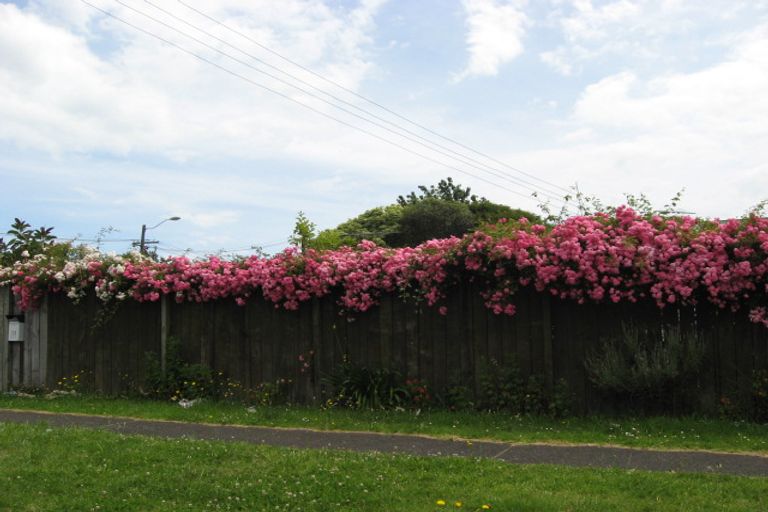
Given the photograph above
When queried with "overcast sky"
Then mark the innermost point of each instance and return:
(103, 125)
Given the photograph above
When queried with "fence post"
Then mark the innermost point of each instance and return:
(317, 345)
(163, 331)
(5, 309)
(549, 372)
(35, 347)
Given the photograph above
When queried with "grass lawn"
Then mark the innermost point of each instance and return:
(691, 433)
(45, 468)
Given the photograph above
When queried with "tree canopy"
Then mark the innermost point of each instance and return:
(24, 241)
(435, 211)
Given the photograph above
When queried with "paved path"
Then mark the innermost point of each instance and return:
(574, 455)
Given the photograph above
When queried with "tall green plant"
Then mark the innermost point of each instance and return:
(646, 366)
(182, 380)
(366, 388)
(503, 388)
(24, 241)
(760, 396)
(303, 232)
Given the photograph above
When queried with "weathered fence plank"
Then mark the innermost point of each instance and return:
(412, 320)
(257, 343)
(5, 309)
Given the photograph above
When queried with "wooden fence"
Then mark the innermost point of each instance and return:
(258, 343)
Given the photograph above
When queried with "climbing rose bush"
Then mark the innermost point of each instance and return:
(615, 257)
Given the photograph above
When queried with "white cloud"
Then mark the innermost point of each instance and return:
(696, 130)
(593, 23)
(72, 14)
(657, 31)
(558, 61)
(75, 81)
(117, 128)
(211, 219)
(494, 36)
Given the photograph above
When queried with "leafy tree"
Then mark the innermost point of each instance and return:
(488, 212)
(430, 212)
(25, 241)
(330, 239)
(445, 190)
(485, 211)
(379, 225)
(303, 232)
(433, 218)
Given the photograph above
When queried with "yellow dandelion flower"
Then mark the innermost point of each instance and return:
(458, 504)
(440, 503)
(486, 507)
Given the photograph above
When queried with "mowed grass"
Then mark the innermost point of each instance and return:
(45, 468)
(659, 432)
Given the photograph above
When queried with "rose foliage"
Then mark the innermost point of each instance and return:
(622, 256)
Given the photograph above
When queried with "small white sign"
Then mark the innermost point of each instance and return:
(15, 330)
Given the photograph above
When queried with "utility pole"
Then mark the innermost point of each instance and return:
(142, 247)
(143, 241)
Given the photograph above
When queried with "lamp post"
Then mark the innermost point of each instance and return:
(144, 229)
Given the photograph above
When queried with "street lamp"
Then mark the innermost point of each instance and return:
(144, 229)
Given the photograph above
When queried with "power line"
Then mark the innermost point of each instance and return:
(253, 247)
(95, 240)
(368, 100)
(309, 107)
(445, 151)
(467, 160)
(169, 248)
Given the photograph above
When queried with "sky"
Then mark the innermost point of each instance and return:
(104, 127)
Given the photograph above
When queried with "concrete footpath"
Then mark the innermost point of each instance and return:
(568, 455)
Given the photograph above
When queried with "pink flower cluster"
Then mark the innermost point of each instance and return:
(619, 257)
(628, 257)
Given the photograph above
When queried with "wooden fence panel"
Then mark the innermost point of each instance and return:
(6, 302)
(457, 340)
(258, 343)
(398, 336)
(34, 346)
(760, 347)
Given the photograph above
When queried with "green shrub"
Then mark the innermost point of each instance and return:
(182, 380)
(418, 392)
(365, 388)
(760, 396)
(77, 382)
(561, 400)
(503, 388)
(458, 397)
(432, 218)
(646, 367)
(267, 393)
(535, 397)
